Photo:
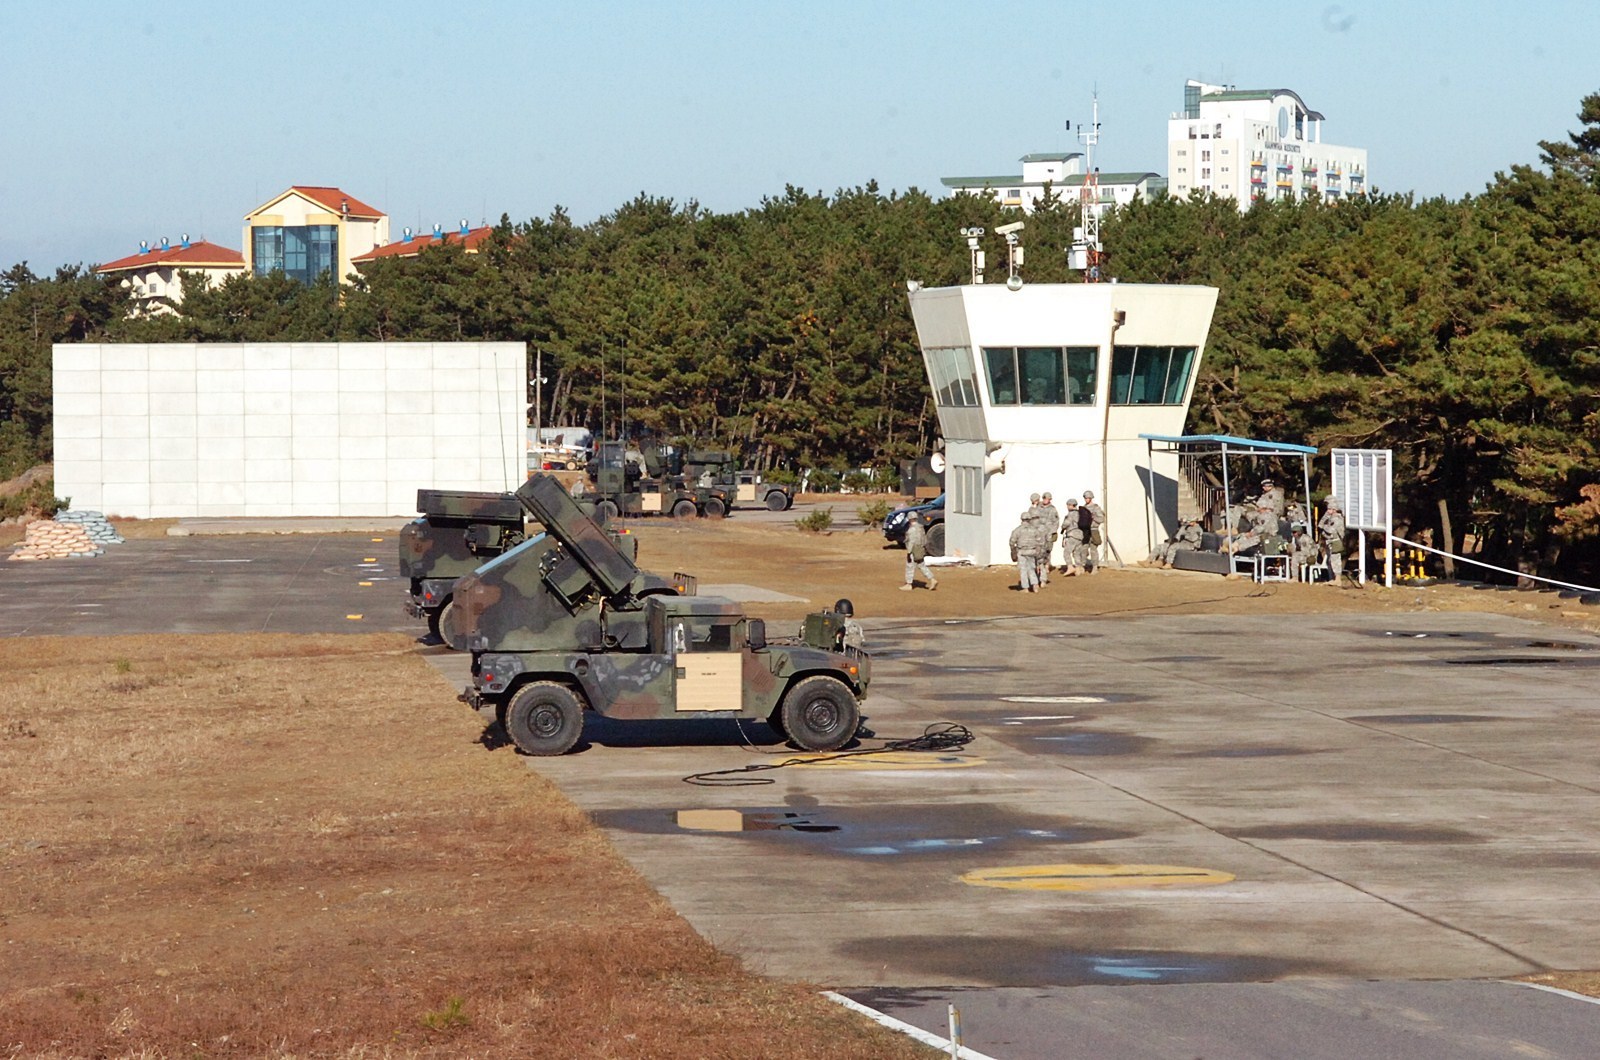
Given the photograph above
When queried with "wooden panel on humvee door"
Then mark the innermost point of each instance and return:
(710, 681)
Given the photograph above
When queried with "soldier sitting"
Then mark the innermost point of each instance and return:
(1187, 539)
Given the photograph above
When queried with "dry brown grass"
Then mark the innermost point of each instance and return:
(297, 846)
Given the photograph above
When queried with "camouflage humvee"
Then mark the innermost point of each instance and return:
(717, 471)
(657, 486)
(565, 622)
(456, 533)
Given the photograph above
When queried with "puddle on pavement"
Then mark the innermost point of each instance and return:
(1561, 645)
(1037, 699)
(1356, 832)
(1157, 659)
(881, 830)
(1032, 960)
(1090, 744)
(1068, 636)
(1423, 719)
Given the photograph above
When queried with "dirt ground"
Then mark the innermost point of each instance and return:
(286, 846)
(857, 565)
(294, 846)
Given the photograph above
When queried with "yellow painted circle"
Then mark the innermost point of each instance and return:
(891, 760)
(1093, 877)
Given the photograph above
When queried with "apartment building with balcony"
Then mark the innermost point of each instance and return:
(1250, 144)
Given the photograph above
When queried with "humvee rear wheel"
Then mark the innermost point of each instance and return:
(684, 509)
(777, 501)
(820, 714)
(544, 718)
(935, 543)
(715, 509)
(605, 511)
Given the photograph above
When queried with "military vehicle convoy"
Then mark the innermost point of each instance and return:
(653, 485)
(565, 622)
(456, 533)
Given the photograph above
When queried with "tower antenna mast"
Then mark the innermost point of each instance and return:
(1087, 253)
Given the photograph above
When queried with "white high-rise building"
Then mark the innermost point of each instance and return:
(1248, 144)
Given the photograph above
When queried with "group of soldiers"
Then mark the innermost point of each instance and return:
(1081, 532)
(1257, 526)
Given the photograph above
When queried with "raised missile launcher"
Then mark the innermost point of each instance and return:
(455, 534)
(565, 622)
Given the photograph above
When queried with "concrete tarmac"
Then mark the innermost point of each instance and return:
(1213, 835)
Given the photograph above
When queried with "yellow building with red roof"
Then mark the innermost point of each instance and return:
(309, 230)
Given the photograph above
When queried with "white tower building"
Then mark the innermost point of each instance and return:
(1248, 144)
(1048, 387)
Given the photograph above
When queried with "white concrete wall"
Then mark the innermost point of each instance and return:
(281, 429)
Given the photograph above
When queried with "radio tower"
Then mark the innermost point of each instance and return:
(1087, 253)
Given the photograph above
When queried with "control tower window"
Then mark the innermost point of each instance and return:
(1150, 375)
(951, 372)
(1041, 375)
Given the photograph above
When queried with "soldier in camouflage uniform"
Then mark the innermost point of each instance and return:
(1025, 542)
(917, 555)
(1187, 539)
(1051, 518)
(1096, 535)
(1331, 529)
(1072, 539)
(1271, 497)
(1302, 550)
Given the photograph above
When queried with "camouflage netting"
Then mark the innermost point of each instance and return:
(69, 535)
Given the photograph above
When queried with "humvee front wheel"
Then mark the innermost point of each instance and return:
(777, 501)
(605, 511)
(715, 509)
(544, 718)
(684, 509)
(820, 714)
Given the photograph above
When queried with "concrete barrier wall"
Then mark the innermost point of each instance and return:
(285, 429)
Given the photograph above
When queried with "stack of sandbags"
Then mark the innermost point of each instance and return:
(95, 524)
(48, 539)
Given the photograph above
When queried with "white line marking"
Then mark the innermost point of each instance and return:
(1556, 990)
(1052, 699)
(941, 1044)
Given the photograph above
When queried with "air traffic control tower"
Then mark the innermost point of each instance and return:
(1048, 388)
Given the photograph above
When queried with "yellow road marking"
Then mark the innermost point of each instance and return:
(366, 585)
(377, 539)
(892, 760)
(1093, 877)
(370, 559)
(353, 618)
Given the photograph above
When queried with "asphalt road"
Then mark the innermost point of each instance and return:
(1222, 836)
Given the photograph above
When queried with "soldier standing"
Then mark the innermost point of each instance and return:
(1271, 497)
(917, 555)
(1051, 518)
(1073, 536)
(1025, 550)
(1096, 531)
(1331, 529)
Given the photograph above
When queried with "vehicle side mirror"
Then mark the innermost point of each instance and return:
(756, 633)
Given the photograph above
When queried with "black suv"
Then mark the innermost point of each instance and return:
(932, 514)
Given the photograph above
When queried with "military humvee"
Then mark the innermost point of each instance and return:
(456, 533)
(565, 622)
(716, 469)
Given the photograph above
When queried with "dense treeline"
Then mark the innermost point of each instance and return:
(1462, 334)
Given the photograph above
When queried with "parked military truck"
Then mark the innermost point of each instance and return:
(565, 622)
(455, 534)
(716, 469)
(654, 484)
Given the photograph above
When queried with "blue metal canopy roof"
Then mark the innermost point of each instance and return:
(1232, 443)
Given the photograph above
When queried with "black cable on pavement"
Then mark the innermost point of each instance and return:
(940, 736)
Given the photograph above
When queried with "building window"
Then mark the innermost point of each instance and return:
(1041, 375)
(966, 498)
(1205, 156)
(1150, 375)
(955, 383)
(300, 252)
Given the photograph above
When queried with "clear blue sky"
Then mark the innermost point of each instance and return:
(125, 122)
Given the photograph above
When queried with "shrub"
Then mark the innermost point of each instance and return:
(858, 481)
(822, 481)
(38, 499)
(873, 513)
(816, 522)
(782, 476)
